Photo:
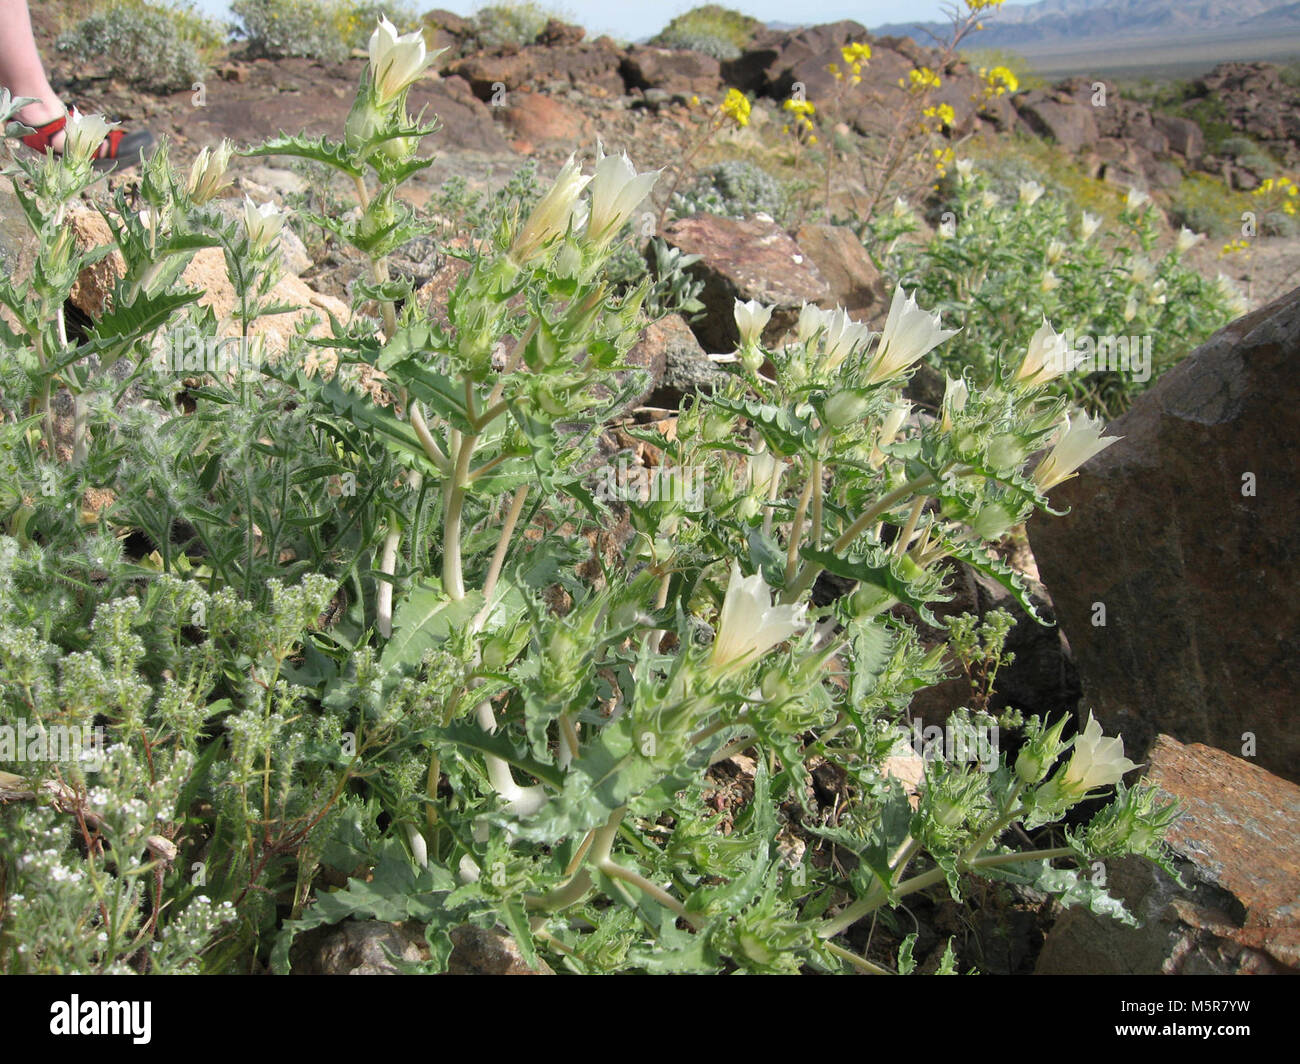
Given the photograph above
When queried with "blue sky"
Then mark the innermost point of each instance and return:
(632, 21)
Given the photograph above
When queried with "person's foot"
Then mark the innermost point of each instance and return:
(119, 150)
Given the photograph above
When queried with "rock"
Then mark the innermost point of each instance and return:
(481, 951)
(556, 33)
(1184, 136)
(855, 283)
(358, 947)
(676, 361)
(671, 70)
(207, 270)
(1184, 532)
(1237, 849)
(448, 21)
(95, 283)
(15, 236)
(489, 75)
(591, 67)
(1071, 125)
(279, 180)
(537, 120)
(464, 121)
(751, 259)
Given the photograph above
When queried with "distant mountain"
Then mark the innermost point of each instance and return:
(1056, 22)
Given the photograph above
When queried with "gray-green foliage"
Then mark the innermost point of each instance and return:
(138, 43)
(285, 28)
(736, 188)
(706, 43)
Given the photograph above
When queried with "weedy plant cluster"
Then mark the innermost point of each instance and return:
(364, 640)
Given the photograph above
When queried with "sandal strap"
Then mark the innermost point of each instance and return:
(114, 139)
(40, 139)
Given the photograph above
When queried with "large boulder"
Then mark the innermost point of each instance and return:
(1067, 122)
(855, 282)
(1236, 849)
(672, 70)
(750, 259)
(1174, 575)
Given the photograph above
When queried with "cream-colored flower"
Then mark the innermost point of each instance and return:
(764, 472)
(811, 319)
(1130, 307)
(84, 134)
(955, 394)
(1055, 252)
(1079, 440)
(396, 62)
(1050, 282)
(910, 333)
(207, 175)
(889, 430)
(617, 190)
(1048, 357)
(263, 221)
(552, 215)
(1088, 225)
(750, 624)
(1030, 192)
(1187, 240)
(1141, 271)
(965, 169)
(989, 200)
(1135, 199)
(1097, 761)
(843, 336)
(751, 320)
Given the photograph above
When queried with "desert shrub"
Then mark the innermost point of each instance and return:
(736, 188)
(1004, 263)
(291, 28)
(156, 47)
(371, 627)
(706, 43)
(709, 23)
(509, 25)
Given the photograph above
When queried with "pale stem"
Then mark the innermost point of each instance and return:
(900, 548)
(388, 565)
(796, 531)
(499, 555)
(430, 445)
(453, 577)
(861, 963)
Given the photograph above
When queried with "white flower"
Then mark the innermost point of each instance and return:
(1097, 761)
(616, 192)
(263, 223)
(1187, 240)
(902, 209)
(843, 336)
(1141, 271)
(811, 319)
(764, 471)
(1047, 358)
(749, 624)
(1079, 439)
(888, 431)
(989, 200)
(1158, 294)
(396, 62)
(751, 320)
(1030, 191)
(1135, 199)
(1055, 252)
(965, 168)
(207, 175)
(955, 394)
(419, 848)
(552, 215)
(84, 133)
(1088, 225)
(910, 333)
(1050, 282)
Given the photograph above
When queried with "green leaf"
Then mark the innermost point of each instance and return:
(320, 150)
(882, 576)
(424, 620)
(1011, 579)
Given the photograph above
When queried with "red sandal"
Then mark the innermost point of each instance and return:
(125, 150)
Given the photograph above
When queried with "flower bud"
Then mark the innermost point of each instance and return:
(844, 408)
